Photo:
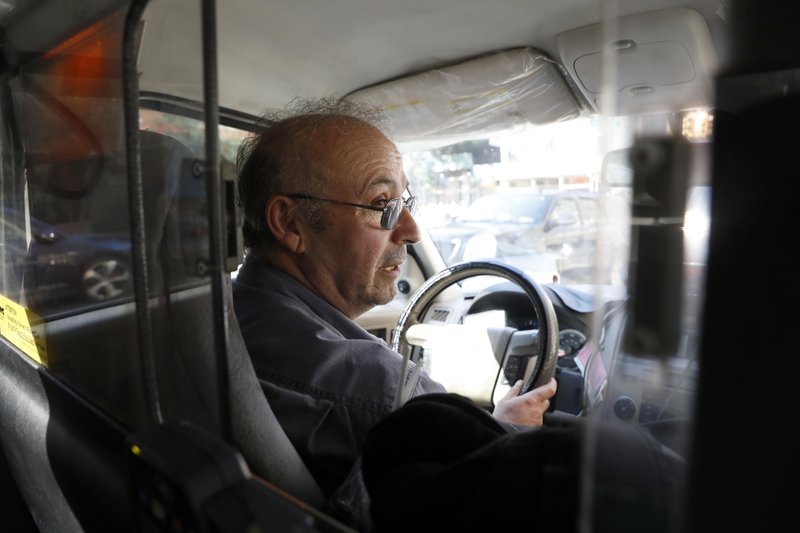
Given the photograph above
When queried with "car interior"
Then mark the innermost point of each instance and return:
(128, 400)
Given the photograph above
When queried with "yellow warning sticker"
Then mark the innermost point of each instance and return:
(24, 329)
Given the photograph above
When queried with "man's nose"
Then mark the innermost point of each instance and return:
(407, 231)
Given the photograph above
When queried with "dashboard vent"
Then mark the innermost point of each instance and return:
(440, 315)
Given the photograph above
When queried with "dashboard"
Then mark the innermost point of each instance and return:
(581, 370)
(594, 371)
(574, 325)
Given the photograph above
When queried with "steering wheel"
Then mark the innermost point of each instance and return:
(541, 344)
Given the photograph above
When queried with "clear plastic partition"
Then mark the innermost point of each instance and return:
(607, 208)
(69, 267)
(653, 73)
(66, 255)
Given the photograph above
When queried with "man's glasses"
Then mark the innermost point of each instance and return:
(390, 212)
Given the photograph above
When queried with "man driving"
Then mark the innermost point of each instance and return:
(326, 228)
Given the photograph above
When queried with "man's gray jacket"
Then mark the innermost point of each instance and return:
(326, 378)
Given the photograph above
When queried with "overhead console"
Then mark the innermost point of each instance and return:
(656, 61)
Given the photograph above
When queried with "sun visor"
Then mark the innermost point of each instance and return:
(491, 93)
(664, 61)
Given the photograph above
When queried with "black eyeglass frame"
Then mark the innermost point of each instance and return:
(389, 215)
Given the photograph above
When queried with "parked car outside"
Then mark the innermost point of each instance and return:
(65, 266)
(550, 234)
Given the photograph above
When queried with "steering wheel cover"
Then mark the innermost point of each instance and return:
(422, 299)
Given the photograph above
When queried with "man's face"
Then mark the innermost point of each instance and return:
(352, 262)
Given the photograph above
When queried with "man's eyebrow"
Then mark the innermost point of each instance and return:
(384, 181)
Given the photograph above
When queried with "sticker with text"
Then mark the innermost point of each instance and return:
(24, 329)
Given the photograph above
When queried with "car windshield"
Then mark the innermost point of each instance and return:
(524, 209)
(534, 196)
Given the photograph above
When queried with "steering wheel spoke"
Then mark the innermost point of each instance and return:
(522, 356)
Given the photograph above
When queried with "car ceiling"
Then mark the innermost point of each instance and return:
(273, 50)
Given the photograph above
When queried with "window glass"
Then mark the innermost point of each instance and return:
(517, 205)
(588, 211)
(68, 108)
(565, 213)
(507, 208)
(65, 224)
(190, 193)
(190, 131)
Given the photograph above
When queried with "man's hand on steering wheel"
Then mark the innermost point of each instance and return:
(528, 408)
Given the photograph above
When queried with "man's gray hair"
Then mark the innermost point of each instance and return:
(320, 108)
(272, 160)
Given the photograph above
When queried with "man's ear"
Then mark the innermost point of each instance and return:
(283, 220)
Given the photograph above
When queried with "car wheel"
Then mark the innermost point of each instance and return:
(105, 278)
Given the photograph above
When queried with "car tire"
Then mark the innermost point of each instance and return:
(105, 278)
